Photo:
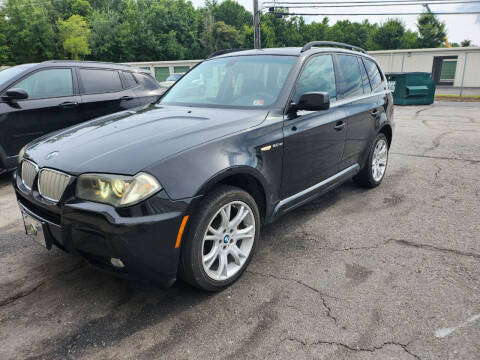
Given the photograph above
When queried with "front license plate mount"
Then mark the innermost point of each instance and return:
(35, 229)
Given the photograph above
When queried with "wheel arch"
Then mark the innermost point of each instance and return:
(386, 129)
(244, 177)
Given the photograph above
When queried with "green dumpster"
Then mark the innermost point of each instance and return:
(412, 88)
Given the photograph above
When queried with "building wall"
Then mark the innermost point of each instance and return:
(422, 60)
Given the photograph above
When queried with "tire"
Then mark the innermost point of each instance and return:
(196, 265)
(369, 175)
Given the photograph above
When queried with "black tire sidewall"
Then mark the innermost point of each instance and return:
(192, 248)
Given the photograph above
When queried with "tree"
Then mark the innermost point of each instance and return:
(73, 34)
(431, 31)
(106, 36)
(232, 13)
(29, 33)
(466, 43)
(389, 35)
(4, 48)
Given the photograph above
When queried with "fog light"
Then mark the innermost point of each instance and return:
(117, 263)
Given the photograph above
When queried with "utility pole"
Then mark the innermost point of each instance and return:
(256, 25)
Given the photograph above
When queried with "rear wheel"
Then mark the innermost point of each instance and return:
(221, 239)
(373, 172)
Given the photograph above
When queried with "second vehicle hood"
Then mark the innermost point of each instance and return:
(129, 141)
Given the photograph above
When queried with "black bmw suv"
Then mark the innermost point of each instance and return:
(179, 189)
(36, 99)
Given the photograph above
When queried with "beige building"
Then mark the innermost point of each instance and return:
(450, 67)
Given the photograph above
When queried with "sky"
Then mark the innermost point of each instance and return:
(459, 27)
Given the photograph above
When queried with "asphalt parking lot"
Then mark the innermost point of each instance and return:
(389, 273)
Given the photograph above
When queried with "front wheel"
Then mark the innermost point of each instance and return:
(373, 172)
(221, 239)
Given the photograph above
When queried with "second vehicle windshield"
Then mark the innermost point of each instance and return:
(242, 81)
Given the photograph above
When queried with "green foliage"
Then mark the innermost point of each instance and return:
(432, 32)
(466, 43)
(73, 35)
(143, 30)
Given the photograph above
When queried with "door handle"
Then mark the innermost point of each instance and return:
(339, 125)
(126, 98)
(68, 104)
(375, 112)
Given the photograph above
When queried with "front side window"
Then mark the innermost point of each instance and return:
(100, 81)
(242, 81)
(350, 80)
(317, 76)
(47, 83)
(9, 73)
(373, 73)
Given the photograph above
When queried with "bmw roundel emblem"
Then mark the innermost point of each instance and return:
(51, 155)
(226, 238)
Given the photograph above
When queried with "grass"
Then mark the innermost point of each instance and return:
(452, 97)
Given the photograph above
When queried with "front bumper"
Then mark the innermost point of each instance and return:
(142, 236)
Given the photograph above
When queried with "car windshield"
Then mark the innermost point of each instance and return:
(242, 81)
(7, 74)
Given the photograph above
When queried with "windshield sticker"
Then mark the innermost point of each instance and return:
(258, 102)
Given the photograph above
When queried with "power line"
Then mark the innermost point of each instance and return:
(377, 14)
(368, 5)
(273, 2)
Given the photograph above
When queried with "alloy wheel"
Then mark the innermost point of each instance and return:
(379, 160)
(228, 240)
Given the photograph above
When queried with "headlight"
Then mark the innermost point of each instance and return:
(117, 190)
(20, 155)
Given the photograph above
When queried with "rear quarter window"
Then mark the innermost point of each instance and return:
(129, 79)
(373, 73)
(147, 81)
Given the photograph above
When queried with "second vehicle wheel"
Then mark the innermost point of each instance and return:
(221, 239)
(374, 170)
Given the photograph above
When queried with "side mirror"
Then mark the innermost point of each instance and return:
(15, 94)
(313, 101)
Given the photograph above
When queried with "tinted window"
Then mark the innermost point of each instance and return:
(147, 81)
(100, 81)
(129, 79)
(365, 83)
(351, 80)
(8, 74)
(48, 83)
(373, 73)
(241, 81)
(317, 76)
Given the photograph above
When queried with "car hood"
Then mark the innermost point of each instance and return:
(129, 141)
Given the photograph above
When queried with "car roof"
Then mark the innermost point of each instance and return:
(288, 51)
(95, 64)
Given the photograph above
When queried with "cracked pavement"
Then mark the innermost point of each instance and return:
(356, 274)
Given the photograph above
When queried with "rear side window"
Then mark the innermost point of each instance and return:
(373, 73)
(48, 83)
(147, 81)
(351, 80)
(129, 79)
(317, 76)
(365, 83)
(100, 81)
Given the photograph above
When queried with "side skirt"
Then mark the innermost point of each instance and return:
(314, 191)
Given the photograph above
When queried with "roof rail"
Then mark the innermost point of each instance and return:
(224, 51)
(86, 61)
(333, 44)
